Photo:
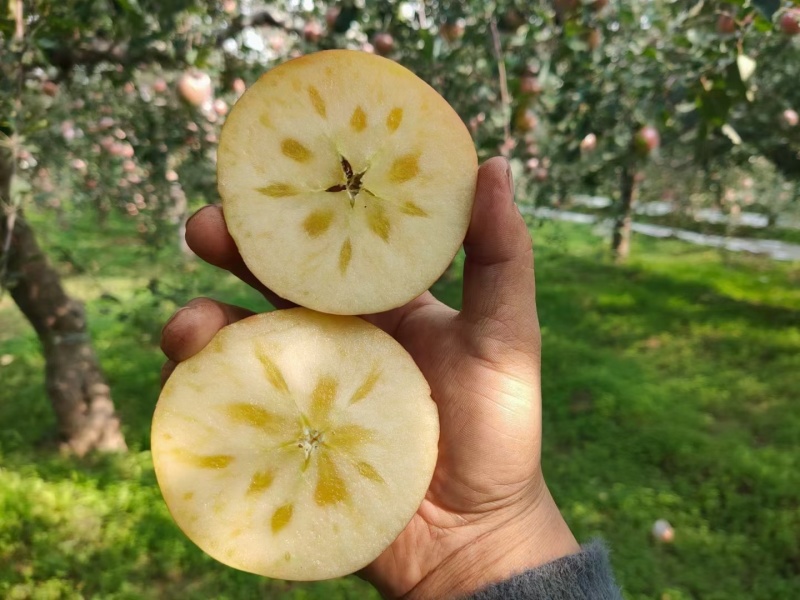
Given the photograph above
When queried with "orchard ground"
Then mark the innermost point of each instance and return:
(670, 390)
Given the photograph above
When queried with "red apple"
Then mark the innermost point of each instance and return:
(726, 24)
(384, 43)
(646, 140)
(239, 86)
(195, 87)
(49, 88)
(331, 15)
(790, 117)
(220, 107)
(790, 21)
(159, 86)
(312, 32)
(540, 174)
(452, 31)
(589, 143)
(229, 6)
(529, 85)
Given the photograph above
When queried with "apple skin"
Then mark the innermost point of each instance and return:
(790, 21)
(195, 87)
(383, 43)
(726, 24)
(790, 117)
(646, 140)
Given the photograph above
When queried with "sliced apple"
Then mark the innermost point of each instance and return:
(296, 445)
(347, 182)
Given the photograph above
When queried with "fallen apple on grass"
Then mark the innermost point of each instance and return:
(347, 182)
(296, 445)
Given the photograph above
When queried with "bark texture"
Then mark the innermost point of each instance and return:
(621, 237)
(75, 383)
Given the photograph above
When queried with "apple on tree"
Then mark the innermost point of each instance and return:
(790, 117)
(195, 87)
(383, 43)
(646, 141)
(790, 21)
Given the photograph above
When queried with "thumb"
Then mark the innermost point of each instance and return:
(499, 298)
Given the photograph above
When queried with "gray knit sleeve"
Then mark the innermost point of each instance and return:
(583, 576)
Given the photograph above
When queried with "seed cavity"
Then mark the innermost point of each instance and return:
(317, 102)
(359, 119)
(271, 370)
(318, 222)
(404, 168)
(295, 150)
(410, 208)
(322, 399)
(368, 471)
(281, 517)
(394, 119)
(345, 255)
(331, 488)
(366, 387)
(278, 190)
(379, 224)
(260, 482)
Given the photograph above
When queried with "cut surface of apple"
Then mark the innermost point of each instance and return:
(347, 182)
(296, 445)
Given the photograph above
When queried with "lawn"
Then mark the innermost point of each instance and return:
(670, 391)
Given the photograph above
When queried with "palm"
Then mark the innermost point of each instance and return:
(483, 367)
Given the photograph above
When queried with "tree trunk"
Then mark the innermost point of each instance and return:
(621, 234)
(75, 384)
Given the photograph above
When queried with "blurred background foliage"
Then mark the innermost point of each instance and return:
(670, 372)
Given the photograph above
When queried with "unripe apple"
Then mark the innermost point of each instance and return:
(312, 32)
(726, 24)
(384, 43)
(195, 87)
(529, 85)
(790, 117)
(452, 31)
(589, 143)
(646, 140)
(790, 21)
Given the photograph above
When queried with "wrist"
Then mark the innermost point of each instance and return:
(530, 537)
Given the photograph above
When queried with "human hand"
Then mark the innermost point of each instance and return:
(488, 513)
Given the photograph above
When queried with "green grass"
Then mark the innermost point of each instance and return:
(670, 390)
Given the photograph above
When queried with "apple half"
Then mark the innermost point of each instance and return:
(347, 182)
(296, 445)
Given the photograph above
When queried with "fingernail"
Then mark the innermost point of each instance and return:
(510, 176)
(172, 318)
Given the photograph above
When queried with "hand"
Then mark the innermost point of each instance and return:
(488, 513)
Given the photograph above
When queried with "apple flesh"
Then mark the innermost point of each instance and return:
(296, 445)
(347, 182)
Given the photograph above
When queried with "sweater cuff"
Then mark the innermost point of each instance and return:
(583, 576)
